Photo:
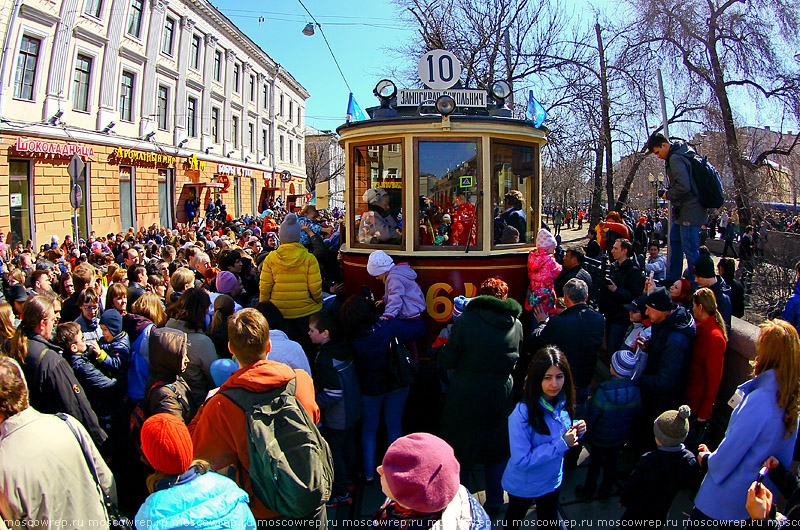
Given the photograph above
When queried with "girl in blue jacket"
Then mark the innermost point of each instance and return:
(763, 424)
(540, 431)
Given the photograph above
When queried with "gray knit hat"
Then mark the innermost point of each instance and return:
(672, 426)
(290, 230)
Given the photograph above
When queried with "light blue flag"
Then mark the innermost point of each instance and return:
(354, 112)
(536, 112)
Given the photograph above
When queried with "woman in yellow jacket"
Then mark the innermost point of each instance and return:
(291, 279)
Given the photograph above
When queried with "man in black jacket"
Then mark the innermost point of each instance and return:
(622, 285)
(137, 278)
(573, 268)
(578, 332)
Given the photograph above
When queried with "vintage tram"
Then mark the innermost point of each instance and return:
(451, 186)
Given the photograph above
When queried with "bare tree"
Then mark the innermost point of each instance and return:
(322, 164)
(724, 45)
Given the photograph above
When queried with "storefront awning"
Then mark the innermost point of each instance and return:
(206, 184)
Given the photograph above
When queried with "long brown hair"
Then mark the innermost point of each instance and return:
(191, 307)
(35, 309)
(6, 321)
(532, 391)
(149, 306)
(778, 348)
(705, 298)
(223, 308)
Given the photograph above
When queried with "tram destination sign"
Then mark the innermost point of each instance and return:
(463, 98)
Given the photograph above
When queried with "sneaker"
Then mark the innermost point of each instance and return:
(340, 500)
(584, 494)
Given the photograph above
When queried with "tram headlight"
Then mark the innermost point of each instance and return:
(500, 90)
(385, 90)
(445, 105)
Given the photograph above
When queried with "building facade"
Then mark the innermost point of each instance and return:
(162, 101)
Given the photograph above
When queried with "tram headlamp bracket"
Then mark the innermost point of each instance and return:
(385, 91)
(445, 105)
(500, 90)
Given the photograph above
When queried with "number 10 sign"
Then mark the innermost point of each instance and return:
(439, 69)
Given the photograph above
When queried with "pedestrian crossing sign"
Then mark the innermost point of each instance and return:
(466, 181)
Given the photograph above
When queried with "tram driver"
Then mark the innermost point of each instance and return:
(377, 223)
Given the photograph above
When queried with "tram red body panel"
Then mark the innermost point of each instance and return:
(442, 278)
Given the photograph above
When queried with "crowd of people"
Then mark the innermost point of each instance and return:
(141, 373)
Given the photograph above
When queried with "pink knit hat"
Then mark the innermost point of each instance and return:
(226, 282)
(545, 240)
(422, 472)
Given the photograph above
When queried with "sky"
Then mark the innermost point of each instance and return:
(358, 31)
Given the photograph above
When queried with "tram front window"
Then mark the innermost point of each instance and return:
(513, 170)
(448, 188)
(378, 193)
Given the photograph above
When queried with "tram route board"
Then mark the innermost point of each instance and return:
(463, 98)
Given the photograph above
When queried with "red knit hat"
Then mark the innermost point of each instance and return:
(422, 472)
(167, 444)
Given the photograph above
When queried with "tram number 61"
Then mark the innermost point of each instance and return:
(440, 306)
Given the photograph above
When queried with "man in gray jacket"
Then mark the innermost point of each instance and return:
(44, 476)
(688, 215)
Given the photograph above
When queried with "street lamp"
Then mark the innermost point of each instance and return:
(653, 184)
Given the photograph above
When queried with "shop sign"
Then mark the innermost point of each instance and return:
(286, 176)
(463, 98)
(50, 148)
(224, 169)
(121, 154)
(226, 183)
(195, 164)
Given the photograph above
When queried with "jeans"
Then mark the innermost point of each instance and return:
(392, 404)
(604, 458)
(546, 511)
(683, 240)
(406, 330)
(343, 449)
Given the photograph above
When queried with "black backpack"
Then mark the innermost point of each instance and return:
(707, 182)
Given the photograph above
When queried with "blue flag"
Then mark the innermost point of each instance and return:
(536, 112)
(354, 112)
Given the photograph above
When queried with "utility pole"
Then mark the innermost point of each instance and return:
(507, 42)
(666, 135)
(606, 125)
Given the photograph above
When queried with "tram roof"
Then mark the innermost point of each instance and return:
(455, 118)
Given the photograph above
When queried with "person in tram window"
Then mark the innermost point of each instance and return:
(463, 221)
(377, 224)
(513, 215)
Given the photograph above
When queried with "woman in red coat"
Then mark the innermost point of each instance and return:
(705, 370)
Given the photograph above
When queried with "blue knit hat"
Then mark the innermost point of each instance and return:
(112, 320)
(459, 305)
(624, 363)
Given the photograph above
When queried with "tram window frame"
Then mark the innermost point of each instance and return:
(478, 245)
(371, 155)
(529, 192)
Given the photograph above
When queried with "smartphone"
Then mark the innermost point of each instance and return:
(652, 275)
(763, 472)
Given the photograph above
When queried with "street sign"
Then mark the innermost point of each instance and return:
(439, 69)
(465, 181)
(75, 168)
(463, 98)
(76, 196)
(286, 176)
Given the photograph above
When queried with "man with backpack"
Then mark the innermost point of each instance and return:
(286, 470)
(688, 214)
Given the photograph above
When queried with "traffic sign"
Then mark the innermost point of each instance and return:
(439, 69)
(75, 168)
(465, 181)
(76, 196)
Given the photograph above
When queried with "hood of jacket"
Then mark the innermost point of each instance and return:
(260, 376)
(167, 351)
(133, 325)
(679, 320)
(289, 255)
(337, 350)
(722, 287)
(627, 264)
(403, 270)
(681, 148)
(181, 325)
(497, 313)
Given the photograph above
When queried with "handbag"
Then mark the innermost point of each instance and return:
(115, 518)
(402, 367)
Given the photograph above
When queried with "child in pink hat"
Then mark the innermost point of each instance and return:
(543, 269)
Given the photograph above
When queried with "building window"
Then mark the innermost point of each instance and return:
(163, 98)
(265, 139)
(266, 96)
(196, 52)
(299, 116)
(93, 8)
(217, 65)
(291, 109)
(253, 88)
(250, 138)
(80, 89)
(26, 68)
(281, 106)
(236, 78)
(191, 118)
(235, 138)
(126, 207)
(280, 148)
(291, 148)
(299, 159)
(126, 97)
(215, 124)
(135, 18)
(169, 32)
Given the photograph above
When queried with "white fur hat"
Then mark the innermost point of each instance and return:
(379, 262)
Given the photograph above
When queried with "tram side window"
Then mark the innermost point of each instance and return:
(378, 193)
(514, 168)
(448, 193)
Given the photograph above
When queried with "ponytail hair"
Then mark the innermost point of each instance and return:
(35, 309)
(223, 308)
(705, 298)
